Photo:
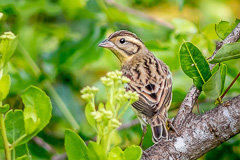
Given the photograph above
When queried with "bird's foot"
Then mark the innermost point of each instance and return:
(172, 127)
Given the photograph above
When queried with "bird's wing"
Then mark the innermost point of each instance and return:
(153, 98)
(151, 79)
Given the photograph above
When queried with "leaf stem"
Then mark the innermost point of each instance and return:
(124, 110)
(4, 136)
(234, 80)
(62, 106)
(3, 130)
(106, 141)
(29, 60)
(17, 141)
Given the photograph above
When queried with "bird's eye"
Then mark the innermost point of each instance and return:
(122, 40)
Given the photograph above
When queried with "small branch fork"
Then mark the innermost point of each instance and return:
(198, 134)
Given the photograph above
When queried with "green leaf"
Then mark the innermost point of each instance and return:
(184, 26)
(212, 88)
(89, 116)
(14, 123)
(109, 106)
(223, 70)
(209, 32)
(24, 157)
(5, 83)
(21, 152)
(83, 52)
(37, 106)
(8, 44)
(95, 151)
(116, 153)
(31, 120)
(194, 64)
(115, 138)
(224, 28)
(133, 153)
(227, 52)
(101, 106)
(37, 112)
(75, 147)
(215, 68)
(4, 108)
(72, 7)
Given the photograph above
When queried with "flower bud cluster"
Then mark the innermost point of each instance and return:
(8, 35)
(114, 77)
(88, 93)
(101, 115)
(104, 116)
(107, 117)
(115, 123)
(107, 81)
(124, 96)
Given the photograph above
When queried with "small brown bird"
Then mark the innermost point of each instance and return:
(150, 78)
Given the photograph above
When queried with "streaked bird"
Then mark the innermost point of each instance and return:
(150, 78)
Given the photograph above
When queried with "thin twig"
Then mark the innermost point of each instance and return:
(128, 125)
(139, 14)
(60, 157)
(234, 80)
(45, 145)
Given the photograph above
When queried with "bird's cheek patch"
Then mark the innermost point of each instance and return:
(132, 49)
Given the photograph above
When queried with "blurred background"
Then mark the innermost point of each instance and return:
(58, 52)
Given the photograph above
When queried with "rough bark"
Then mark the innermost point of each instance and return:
(198, 134)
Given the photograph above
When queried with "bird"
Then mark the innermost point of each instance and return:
(149, 77)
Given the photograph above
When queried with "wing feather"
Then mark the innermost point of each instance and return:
(154, 86)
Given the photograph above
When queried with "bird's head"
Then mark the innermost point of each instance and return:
(124, 44)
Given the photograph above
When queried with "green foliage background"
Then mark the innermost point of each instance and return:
(58, 52)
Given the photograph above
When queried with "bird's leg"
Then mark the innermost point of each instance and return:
(144, 128)
(171, 126)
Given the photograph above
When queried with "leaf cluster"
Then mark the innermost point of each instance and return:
(19, 126)
(195, 65)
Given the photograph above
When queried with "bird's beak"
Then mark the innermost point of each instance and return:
(106, 44)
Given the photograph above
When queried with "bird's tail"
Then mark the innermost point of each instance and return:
(158, 127)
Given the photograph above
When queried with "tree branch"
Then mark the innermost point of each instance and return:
(198, 134)
(189, 101)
